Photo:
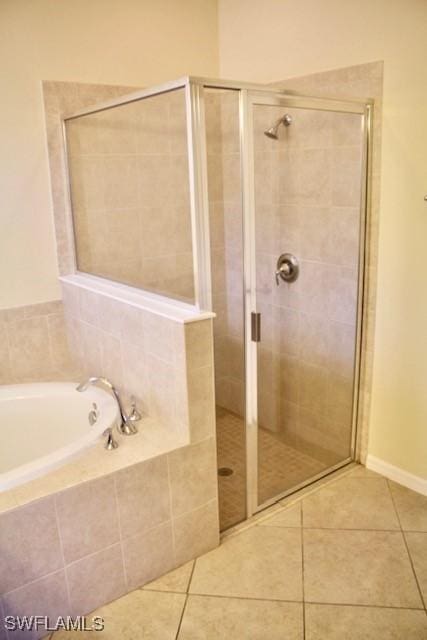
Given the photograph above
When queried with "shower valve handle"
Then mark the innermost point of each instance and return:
(284, 270)
(287, 268)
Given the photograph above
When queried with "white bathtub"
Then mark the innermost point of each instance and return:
(44, 425)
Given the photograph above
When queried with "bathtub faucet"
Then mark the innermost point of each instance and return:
(127, 425)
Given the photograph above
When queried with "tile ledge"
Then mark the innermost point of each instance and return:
(176, 310)
(95, 462)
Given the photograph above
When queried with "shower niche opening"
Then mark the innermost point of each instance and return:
(251, 203)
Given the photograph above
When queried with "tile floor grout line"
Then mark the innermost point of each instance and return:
(407, 548)
(191, 575)
(302, 563)
(178, 631)
(179, 593)
(413, 531)
(353, 529)
(294, 499)
(255, 599)
(414, 572)
(278, 526)
(368, 606)
(235, 597)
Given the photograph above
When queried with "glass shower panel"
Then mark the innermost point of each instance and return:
(226, 239)
(129, 183)
(307, 204)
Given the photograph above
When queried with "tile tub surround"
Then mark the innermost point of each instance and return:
(278, 577)
(77, 549)
(145, 355)
(131, 519)
(33, 344)
(166, 365)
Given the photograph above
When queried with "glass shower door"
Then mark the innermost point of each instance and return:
(308, 197)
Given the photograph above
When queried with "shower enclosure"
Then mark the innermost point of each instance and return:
(252, 203)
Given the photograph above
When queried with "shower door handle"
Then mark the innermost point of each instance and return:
(255, 327)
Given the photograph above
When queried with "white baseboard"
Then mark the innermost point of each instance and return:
(397, 474)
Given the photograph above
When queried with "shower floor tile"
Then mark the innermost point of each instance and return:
(281, 467)
(279, 578)
(231, 445)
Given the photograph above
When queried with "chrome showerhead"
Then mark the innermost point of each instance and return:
(272, 132)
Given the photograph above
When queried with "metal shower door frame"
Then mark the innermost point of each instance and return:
(198, 190)
(248, 99)
(249, 95)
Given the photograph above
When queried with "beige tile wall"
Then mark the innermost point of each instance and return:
(166, 366)
(143, 353)
(61, 98)
(34, 346)
(289, 217)
(226, 236)
(307, 195)
(360, 81)
(130, 192)
(303, 170)
(137, 523)
(71, 552)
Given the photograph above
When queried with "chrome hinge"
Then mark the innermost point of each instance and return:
(255, 327)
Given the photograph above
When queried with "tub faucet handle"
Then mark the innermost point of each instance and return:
(126, 426)
(135, 414)
(110, 443)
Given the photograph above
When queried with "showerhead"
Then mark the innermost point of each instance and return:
(273, 132)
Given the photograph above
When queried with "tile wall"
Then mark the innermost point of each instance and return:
(143, 353)
(34, 345)
(312, 240)
(70, 552)
(139, 522)
(226, 236)
(307, 197)
(65, 98)
(130, 192)
(167, 366)
(359, 81)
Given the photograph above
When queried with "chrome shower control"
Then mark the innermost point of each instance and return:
(287, 268)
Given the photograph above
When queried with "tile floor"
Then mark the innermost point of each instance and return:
(281, 467)
(347, 561)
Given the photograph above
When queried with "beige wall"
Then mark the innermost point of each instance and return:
(137, 42)
(269, 40)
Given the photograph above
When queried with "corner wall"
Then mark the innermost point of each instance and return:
(269, 40)
(102, 41)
